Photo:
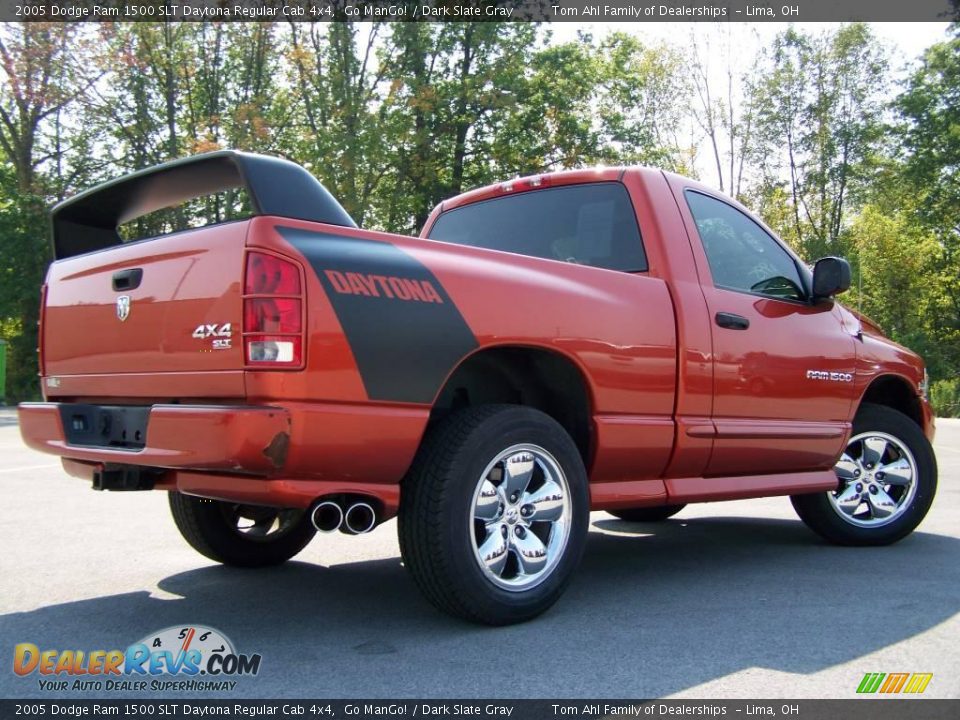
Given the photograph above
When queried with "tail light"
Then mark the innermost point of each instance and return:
(272, 312)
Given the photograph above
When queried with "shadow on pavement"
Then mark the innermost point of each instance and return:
(654, 609)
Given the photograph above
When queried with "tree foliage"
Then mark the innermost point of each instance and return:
(930, 176)
(821, 99)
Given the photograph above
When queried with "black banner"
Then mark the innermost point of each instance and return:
(854, 709)
(483, 10)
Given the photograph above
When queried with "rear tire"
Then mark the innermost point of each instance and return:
(647, 514)
(240, 535)
(494, 514)
(887, 478)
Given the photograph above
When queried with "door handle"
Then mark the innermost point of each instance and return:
(732, 321)
(127, 279)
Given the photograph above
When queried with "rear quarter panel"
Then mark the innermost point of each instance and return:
(617, 328)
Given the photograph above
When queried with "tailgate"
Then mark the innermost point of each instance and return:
(169, 304)
(161, 317)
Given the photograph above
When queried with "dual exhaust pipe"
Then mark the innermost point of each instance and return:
(356, 518)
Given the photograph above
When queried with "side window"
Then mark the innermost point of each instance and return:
(590, 224)
(741, 254)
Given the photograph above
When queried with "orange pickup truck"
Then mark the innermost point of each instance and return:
(620, 339)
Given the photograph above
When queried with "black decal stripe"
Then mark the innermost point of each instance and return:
(404, 349)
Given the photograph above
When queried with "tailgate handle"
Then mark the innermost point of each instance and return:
(127, 279)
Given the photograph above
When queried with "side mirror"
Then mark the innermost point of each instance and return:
(831, 276)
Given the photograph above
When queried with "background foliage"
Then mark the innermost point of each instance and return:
(393, 118)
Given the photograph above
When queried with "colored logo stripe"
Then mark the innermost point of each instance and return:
(893, 683)
(870, 682)
(918, 682)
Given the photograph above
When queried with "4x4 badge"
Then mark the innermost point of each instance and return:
(123, 307)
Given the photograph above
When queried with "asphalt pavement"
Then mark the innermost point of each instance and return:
(727, 600)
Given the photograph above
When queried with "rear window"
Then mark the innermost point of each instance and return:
(583, 224)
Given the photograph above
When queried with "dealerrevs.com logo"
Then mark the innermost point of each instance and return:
(179, 658)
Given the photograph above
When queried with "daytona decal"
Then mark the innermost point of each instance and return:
(353, 283)
(405, 332)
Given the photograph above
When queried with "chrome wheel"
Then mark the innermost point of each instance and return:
(878, 480)
(261, 524)
(886, 481)
(520, 518)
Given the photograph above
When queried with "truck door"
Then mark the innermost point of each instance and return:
(783, 366)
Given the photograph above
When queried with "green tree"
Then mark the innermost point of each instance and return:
(551, 123)
(930, 109)
(41, 77)
(894, 257)
(643, 101)
(412, 66)
(454, 89)
(140, 107)
(338, 78)
(820, 124)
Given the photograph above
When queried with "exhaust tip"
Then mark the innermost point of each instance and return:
(360, 518)
(327, 517)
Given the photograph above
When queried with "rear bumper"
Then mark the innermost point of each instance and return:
(211, 438)
(260, 455)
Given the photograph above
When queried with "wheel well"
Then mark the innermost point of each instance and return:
(536, 378)
(894, 392)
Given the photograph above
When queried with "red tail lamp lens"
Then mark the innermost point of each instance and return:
(272, 315)
(269, 275)
(272, 326)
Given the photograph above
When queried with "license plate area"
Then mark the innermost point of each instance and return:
(122, 427)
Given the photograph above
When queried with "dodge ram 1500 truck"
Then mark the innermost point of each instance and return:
(619, 339)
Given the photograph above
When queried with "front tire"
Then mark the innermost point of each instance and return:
(494, 514)
(887, 480)
(241, 535)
